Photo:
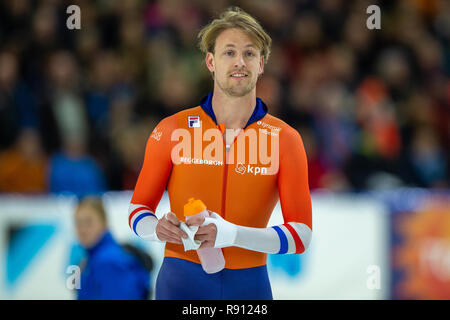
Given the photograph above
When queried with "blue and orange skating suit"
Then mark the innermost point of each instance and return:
(243, 191)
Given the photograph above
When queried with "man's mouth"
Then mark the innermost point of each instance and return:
(238, 75)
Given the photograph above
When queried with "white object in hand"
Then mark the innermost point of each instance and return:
(211, 258)
(189, 243)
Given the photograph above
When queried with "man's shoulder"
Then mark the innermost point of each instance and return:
(177, 119)
(278, 125)
(290, 139)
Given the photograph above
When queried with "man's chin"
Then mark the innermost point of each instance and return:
(238, 92)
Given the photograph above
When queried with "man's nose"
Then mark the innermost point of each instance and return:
(240, 61)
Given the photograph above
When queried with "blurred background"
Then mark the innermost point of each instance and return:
(372, 106)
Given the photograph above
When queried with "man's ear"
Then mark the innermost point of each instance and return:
(261, 65)
(209, 60)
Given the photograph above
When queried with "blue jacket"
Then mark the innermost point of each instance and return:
(112, 274)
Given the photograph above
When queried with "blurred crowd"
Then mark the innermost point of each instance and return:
(77, 106)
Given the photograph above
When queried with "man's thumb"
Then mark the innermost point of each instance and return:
(173, 218)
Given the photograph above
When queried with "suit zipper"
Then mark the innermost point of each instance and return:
(224, 185)
(225, 174)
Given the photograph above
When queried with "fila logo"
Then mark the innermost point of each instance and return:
(194, 121)
(241, 169)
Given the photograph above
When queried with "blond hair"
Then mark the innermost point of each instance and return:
(235, 17)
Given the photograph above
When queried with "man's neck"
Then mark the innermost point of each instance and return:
(234, 112)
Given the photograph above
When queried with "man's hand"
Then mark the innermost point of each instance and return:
(168, 229)
(206, 234)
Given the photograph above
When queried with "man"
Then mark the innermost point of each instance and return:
(218, 152)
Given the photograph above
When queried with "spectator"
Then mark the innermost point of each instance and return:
(64, 108)
(110, 271)
(17, 103)
(74, 170)
(103, 77)
(23, 167)
(427, 160)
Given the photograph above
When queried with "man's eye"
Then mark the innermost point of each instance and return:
(229, 53)
(250, 54)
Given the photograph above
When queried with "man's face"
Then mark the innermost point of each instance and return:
(236, 63)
